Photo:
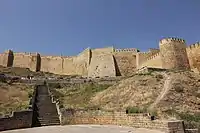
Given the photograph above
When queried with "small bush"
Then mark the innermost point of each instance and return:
(178, 89)
(130, 110)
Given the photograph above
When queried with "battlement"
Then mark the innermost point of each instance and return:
(55, 57)
(171, 39)
(153, 56)
(26, 53)
(127, 50)
(195, 45)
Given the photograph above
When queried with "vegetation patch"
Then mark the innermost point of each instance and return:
(15, 97)
(78, 95)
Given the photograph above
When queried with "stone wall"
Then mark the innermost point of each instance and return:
(70, 116)
(153, 61)
(101, 51)
(173, 53)
(102, 66)
(21, 119)
(74, 65)
(125, 62)
(142, 57)
(51, 64)
(193, 52)
(26, 60)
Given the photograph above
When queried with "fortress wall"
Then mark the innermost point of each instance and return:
(3, 59)
(173, 53)
(81, 62)
(52, 64)
(26, 60)
(6, 58)
(153, 61)
(99, 51)
(193, 52)
(125, 63)
(142, 57)
(101, 66)
(74, 65)
(126, 50)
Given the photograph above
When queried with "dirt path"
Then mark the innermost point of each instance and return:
(83, 129)
(166, 87)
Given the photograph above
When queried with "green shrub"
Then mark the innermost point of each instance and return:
(130, 110)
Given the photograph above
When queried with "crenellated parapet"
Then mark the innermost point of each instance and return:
(153, 56)
(171, 40)
(126, 50)
(173, 53)
(195, 45)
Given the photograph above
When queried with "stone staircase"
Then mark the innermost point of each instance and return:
(45, 112)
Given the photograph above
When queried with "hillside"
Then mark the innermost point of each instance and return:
(168, 94)
(14, 97)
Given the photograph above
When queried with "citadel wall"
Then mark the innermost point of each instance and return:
(101, 66)
(98, 51)
(173, 53)
(74, 65)
(109, 61)
(125, 61)
(77, 65)
(153, 61)
(193, 52)
(51, 64)
(142, 57)
(26, 60)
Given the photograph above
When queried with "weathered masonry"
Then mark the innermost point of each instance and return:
(109, 62)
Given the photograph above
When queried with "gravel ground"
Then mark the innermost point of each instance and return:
(83, 129)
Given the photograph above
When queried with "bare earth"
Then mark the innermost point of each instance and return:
(83, 129)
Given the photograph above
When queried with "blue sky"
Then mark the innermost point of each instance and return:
(54, 27)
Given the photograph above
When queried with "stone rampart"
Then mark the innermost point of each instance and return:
(153, 61)
(71, 116)
(173, 53)
(74, 65)
(125, 63)
(52, 64)
(27, 60)
(102, 66)
(102, 51)
(193, 52)
(126, 50)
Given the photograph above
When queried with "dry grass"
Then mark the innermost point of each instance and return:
(139, 90)
(78, 95)
(14, 97)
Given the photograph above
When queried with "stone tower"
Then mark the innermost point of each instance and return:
(173, 53)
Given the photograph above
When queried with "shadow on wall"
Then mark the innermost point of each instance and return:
(118, 73)
(10, 59)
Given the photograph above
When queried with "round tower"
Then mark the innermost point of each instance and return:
(173, 53)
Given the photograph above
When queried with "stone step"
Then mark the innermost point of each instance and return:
(46, 109)
(47, 115)
(48, 120)
(46, 104)
(49, 124)
(43, 98)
